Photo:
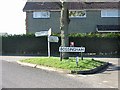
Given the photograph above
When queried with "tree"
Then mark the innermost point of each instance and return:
(64, 24)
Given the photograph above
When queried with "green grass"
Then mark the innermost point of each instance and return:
(68, 64)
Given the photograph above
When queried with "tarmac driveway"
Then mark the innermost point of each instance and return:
(108, 77)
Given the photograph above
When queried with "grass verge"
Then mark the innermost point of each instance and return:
(67, 64)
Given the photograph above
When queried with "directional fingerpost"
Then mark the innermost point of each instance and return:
(50, 38)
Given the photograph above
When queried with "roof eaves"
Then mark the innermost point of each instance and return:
(31, 6)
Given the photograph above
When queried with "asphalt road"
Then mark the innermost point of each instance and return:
(17, 76)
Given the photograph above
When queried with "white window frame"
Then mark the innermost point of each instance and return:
(110, 13)
(41, 14)
(78, 16)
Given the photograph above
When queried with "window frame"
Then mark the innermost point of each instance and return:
(78, 16)
(106, 13)
(40, 16)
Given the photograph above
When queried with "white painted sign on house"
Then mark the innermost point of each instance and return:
(41, 33)
(71, 49)
(53, 39)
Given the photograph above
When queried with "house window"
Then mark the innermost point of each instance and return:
(41, 14)
(108, 28)
(110, 13)
(77, 14)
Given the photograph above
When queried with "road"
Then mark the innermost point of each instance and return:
(17, 76)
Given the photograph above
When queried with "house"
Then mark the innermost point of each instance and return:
(84, 17)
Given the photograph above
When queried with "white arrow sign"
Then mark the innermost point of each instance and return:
(53, 39)
(41, 33)
(71, 49)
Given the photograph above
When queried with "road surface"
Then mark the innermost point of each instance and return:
(17, 76)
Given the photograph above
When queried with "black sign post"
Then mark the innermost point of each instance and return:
(81, 56)
(77, 60)
(61, 55)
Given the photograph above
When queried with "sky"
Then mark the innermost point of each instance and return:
(12, 18)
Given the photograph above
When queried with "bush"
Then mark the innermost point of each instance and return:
(29, 44)
(91, 35)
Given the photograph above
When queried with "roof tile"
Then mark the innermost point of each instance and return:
(71, 5)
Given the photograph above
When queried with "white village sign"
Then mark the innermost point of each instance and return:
(71, 49)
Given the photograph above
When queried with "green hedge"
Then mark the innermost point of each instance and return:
(29, 44)
(92, 35)
(80, 35)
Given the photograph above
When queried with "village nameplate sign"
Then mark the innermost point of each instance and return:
(71, 49)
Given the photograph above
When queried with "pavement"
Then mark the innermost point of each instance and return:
(108, 78)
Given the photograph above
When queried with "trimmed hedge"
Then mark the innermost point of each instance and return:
(31, 45)
(92, 35)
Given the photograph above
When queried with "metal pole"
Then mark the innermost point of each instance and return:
(77, 59)
(48, 46)
(60, 56)
(81, 56)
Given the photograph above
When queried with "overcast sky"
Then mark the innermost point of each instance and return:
(12, 18)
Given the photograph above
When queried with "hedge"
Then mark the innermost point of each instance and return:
(31, 45)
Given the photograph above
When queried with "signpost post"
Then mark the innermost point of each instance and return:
(49, 33)
(77, 59)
